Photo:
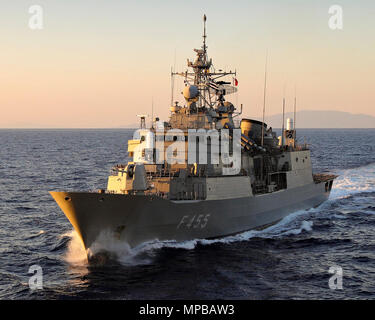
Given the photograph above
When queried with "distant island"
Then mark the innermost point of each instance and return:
(324, 119)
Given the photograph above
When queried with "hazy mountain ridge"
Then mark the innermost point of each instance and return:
(324, 119)
(312, 119)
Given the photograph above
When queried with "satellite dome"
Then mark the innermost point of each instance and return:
(190, 92)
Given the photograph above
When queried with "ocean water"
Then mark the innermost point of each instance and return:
(290, 260)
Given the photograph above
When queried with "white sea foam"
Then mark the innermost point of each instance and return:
(37, 234)
(354, 181)
(76, 253)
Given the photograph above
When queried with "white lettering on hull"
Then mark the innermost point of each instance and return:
(194, 221)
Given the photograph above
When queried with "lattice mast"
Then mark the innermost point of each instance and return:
(205, 77)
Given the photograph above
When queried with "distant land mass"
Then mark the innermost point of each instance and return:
(323, 119)
(314, 119)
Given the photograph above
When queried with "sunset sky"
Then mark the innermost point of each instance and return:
(97, 64)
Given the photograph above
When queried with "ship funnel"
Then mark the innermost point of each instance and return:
(253, 129)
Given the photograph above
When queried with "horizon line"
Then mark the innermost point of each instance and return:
(129, 128)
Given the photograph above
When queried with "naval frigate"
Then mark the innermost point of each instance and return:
(240, 176)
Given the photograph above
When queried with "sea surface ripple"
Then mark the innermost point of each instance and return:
(290, 260)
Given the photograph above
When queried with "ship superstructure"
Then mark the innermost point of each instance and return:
(202, 174)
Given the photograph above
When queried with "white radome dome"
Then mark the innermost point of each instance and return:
(190, 92)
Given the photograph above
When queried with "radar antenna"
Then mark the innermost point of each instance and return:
(204, 78)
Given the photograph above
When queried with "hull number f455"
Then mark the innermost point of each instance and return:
(195, 221)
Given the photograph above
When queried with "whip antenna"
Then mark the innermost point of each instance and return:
(282, 128)
(295, 108)
(264, 97)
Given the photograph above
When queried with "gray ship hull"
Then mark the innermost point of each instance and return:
(139, 218)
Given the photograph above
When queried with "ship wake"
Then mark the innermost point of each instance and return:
(354, 181)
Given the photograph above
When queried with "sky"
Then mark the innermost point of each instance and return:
(97, 64)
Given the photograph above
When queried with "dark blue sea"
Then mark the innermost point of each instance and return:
(290, 260)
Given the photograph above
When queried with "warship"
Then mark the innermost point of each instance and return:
(206, 173)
